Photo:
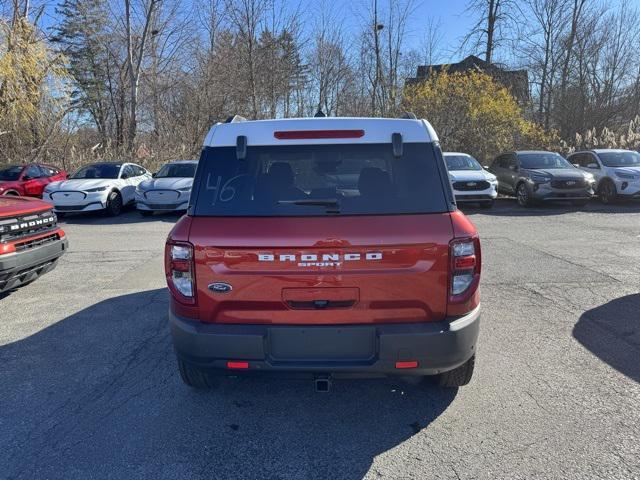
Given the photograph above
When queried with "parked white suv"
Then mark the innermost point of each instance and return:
(617, 172)
(470, 182)
(96, 187)
(169, 189)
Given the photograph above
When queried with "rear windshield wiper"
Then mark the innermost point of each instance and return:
(315, 202)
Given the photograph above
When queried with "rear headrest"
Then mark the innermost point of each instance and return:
(374, 181)
(282, 173)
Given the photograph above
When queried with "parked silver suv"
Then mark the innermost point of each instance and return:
(541, 176)
(617, 172)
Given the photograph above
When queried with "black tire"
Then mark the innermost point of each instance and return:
(457, 377)
(487, 205)
(114, 204)
(523, 195)
(145, 213)
(194, 377)
(607, 192)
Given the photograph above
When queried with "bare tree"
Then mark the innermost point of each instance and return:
(246, 16)
(136, 50)
(431, 47)
(540, 49)
(495, 19)
(327, 62)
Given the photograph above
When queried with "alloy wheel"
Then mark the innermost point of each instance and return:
(523, 195)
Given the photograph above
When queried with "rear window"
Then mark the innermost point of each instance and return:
(318, 180)
(11, 173)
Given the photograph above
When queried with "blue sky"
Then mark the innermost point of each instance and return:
(450, 14)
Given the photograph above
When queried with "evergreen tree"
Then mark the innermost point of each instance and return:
(82, 36)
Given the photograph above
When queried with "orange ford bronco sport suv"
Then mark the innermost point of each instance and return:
(324, 247)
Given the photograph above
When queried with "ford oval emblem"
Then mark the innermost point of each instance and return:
(220, 287)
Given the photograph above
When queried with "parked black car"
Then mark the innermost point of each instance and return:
(534, 176)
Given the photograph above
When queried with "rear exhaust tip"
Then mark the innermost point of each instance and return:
(322, 384)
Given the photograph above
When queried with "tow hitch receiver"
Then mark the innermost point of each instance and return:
(322, 383)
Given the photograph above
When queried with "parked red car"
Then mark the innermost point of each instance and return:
(324, 247)
(30, 241)
(28, 180)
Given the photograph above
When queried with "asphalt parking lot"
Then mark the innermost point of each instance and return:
(89, 387)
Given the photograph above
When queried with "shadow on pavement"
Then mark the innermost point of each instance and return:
(508, 207)
(98, 395)
(129, 215)
(612, 333)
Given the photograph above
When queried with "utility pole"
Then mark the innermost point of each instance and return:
(377, 27)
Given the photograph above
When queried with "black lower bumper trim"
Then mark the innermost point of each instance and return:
(350, 350)
(474, 198)
(19, 268)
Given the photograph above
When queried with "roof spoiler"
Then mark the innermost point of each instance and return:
(408, 116)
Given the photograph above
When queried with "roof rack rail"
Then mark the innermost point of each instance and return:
(409, 116)
(235, 119)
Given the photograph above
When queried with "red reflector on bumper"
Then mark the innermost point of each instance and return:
(238, 365)
(7, 248)
(313, 134)
(409, 364)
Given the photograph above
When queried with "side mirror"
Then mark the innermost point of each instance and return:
(26, 177)
(486, 167)
(593, 165)
(153, 175)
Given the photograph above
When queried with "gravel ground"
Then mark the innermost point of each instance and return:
(89, 387)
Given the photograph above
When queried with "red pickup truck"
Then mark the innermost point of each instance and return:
(30, 241)
(324, 247)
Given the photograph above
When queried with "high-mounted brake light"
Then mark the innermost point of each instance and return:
(180, 271)
(317, 134)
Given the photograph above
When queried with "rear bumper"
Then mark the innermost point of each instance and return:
(23, 267)
(349, 350)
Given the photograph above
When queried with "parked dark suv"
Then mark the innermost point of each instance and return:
(534, 176)
(324, 247)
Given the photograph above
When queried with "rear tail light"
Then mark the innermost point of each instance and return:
(180, 271)
(465, 268)
(7, 248)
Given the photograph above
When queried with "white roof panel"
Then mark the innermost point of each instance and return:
(376, 130)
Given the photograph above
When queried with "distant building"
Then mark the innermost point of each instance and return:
(517, 81)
